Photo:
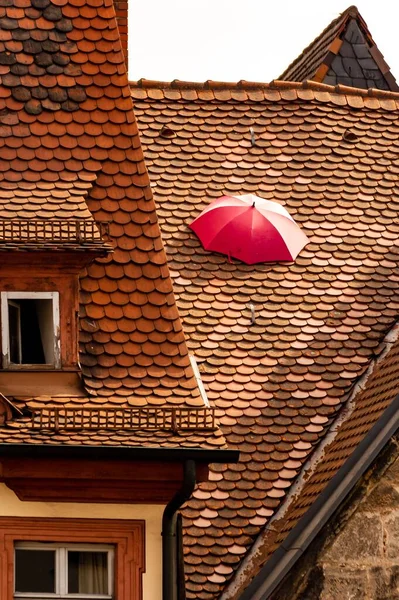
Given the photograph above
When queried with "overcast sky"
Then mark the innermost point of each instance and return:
(229, 40)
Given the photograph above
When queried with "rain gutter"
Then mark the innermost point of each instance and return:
(170, 571)
(119, 453)
(301, 536)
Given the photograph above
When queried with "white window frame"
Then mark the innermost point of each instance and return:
(18, 309)
(5, 330)
(61, 569)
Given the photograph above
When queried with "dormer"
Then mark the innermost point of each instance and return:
(39, 289)
(133, 427)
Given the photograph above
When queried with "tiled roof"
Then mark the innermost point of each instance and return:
(378, 394)
(206, 440)
(69, 148)
(368, 406)
(343, 53)
(153, 427)
(329, 155)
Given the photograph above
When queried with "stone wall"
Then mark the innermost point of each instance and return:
(363, 560)
(356, 557)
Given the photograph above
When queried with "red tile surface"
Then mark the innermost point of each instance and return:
(151, 434)
(381, 390)
(330, 156)
(69, 148)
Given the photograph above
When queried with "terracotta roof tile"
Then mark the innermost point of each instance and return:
(379, 392)
(78, 421)
(277, 383)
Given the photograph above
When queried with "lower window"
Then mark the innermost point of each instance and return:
(71, 559)
(63, 571)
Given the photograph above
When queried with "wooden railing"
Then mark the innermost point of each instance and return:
(173, 419)
(78, 231)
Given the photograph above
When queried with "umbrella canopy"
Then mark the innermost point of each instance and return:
(249, 228)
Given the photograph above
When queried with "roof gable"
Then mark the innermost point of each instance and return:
(344, 53)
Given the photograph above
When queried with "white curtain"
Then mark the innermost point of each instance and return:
(93, 573)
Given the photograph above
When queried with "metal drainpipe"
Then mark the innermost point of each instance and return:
(169, 542)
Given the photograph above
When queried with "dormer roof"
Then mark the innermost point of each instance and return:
(69, 149)
(344, 53)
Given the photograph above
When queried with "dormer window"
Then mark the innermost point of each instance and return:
(30, 329)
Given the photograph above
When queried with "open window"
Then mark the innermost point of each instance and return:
(63, 571)
(30, 323)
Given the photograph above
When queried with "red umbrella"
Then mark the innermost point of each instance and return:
(249, 228)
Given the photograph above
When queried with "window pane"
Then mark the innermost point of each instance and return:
(14, 325)
(32, 346)
(87, 572)
(44, 310)
(34, 571)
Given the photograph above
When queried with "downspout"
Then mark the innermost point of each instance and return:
(169, 541)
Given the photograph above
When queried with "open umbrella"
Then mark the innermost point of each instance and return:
(249, 228)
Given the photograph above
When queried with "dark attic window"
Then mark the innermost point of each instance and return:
(30, 329)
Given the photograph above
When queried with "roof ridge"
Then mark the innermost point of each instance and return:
(276, 84)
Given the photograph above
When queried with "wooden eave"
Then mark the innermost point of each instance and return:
(105, 481)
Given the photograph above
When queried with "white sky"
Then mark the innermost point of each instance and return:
(229, 40)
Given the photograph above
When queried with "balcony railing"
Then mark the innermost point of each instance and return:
(67, 231)
(172, 419)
